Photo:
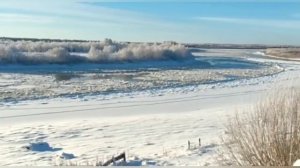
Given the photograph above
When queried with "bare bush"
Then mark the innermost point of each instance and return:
(269, 135)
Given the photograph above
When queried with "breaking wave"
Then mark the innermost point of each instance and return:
(107, 51)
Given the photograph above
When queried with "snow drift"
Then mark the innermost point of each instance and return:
(107, 51)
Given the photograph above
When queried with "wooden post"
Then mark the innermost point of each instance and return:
(113, 159)
(199, 142)
(189, 144)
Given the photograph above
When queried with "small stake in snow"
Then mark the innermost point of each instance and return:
(189, 145)
(199, 142)
(113, 160)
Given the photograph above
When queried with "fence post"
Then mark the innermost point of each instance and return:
(199, 142)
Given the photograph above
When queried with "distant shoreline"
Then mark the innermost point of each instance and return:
(280, 57)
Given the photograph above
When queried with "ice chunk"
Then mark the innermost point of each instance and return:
(41, 147)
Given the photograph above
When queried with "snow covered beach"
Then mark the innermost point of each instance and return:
(149, 118)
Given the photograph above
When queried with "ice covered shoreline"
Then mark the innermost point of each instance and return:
(78, 81)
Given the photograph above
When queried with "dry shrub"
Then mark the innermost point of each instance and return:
(269, 135)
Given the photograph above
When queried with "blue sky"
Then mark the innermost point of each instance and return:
(198, 21)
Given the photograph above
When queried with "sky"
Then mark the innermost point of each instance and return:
(197, 21)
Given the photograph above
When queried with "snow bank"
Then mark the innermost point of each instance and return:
(297, 163)
(106, 51)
